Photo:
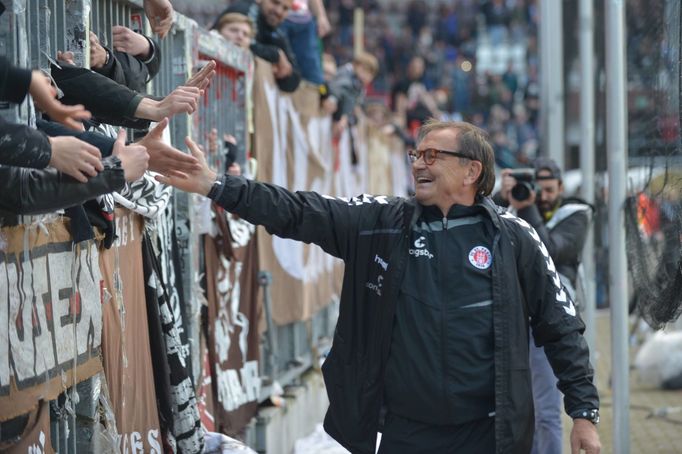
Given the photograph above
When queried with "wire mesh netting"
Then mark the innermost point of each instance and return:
(653, 207)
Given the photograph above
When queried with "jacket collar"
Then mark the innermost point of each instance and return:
(486, 203)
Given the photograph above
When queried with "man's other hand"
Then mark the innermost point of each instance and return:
(198, 181)
(160, 15)
(134, 158)
(126, 40)
(164, 158)
(44, 97)
(584, 437)
(76, 158)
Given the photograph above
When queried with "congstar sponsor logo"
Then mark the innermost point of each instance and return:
(420, 249)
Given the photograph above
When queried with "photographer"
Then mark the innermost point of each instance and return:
(537, 197)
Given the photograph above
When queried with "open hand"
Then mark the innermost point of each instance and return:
(76, 158)
(160, 15)
(126, 40)
(163, 158)
(198, 181)
(44, 97)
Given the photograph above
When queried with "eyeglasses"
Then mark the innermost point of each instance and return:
(430, 155)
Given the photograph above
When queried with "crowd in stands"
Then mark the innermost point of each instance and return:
(428, 65)
(420, 61)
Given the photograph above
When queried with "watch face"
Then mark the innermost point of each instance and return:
(590, 415)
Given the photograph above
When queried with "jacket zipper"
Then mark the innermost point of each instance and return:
(443, 341)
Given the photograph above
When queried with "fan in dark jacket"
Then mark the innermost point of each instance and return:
(270, 44)
(115, 104)
(347, 89)
(438, 296)
(132, 69)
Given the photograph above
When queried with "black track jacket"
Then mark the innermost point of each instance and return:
(371, 235)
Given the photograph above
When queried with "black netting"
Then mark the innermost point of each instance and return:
(653, 208)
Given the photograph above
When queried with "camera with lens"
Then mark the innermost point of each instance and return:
(525, 184)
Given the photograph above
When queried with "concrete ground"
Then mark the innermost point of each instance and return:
(648, 433)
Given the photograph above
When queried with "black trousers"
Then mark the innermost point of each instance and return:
(405, 436)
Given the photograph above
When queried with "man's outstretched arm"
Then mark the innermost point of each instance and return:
(303, 216)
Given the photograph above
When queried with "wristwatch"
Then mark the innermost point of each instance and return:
(590, 415)
(216, 189)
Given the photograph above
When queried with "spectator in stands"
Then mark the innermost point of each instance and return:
(562, 224)
(346, 18)
(270, 44)
(497, 19)
(462, 83)
(416, 15)
(229, 151)
(411, 101)
(236, 28)
(348, 87)
(307, 22)
(469, 390)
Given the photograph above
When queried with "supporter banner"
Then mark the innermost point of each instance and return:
(36, 436)
(294, 150)
(171, 273)
(125, 343)
(50, 314)
(205, 390)
(233, 318)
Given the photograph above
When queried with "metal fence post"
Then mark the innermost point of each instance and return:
(587, 162)
(77, 29)
(264, 280)
(616, 121)
(552, 79)
(14, 45)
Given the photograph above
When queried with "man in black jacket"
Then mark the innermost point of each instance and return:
(562, 226)
(270, 44)
(438, 296)
(134, 66)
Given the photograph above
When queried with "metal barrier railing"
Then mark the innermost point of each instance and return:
(31, 33)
